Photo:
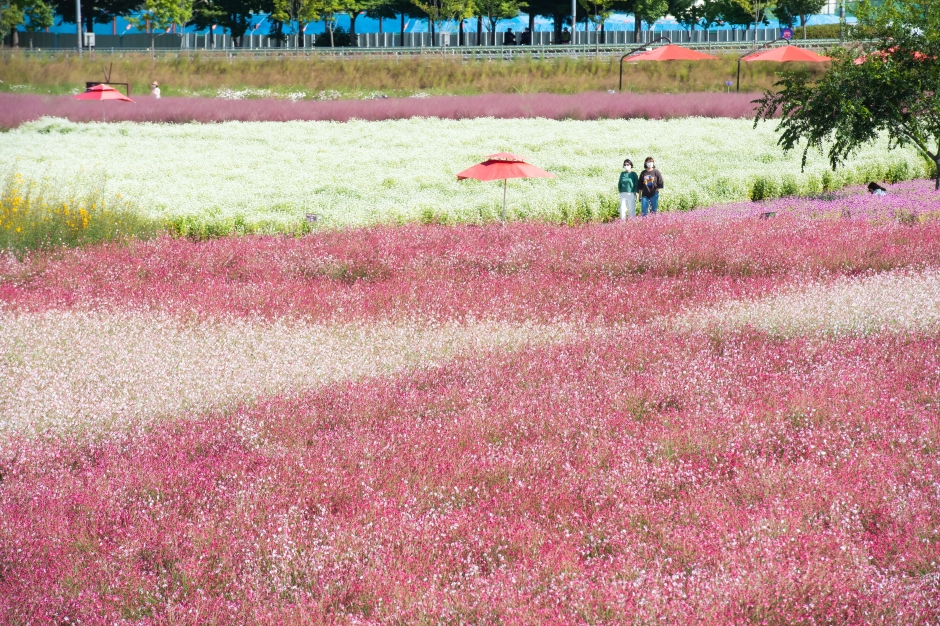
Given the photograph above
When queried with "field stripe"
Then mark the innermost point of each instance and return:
(72, 370)
(891, 301)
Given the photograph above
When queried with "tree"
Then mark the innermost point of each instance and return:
(440, 11)
(741, 12)
(94, 11)
(597, 12)
(558, 10)
(647, 11)
(894, 91)
(788, 10)
(496, 10)
(162, 14)
(11, 16)
(688, 12)
(234, 15)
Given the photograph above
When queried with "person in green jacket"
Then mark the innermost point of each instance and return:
(629, 186)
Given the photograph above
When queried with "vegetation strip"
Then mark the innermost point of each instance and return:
(217, 179)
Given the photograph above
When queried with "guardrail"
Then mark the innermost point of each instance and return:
(462, 52)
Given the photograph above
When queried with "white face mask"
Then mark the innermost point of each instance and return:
(627, 167)
(650, 165)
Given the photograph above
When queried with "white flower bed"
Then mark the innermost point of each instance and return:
(75, 369)
(267, 175)
(893, 301)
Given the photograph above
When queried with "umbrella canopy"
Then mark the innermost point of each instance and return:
(672, 53)
(787, 54)
(102, 92)
(503, 166)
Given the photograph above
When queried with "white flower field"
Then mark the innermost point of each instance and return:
(265, 176)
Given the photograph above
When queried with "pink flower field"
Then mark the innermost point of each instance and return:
(529, 424)
(18, 108)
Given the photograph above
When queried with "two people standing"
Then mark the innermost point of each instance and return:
(647, 183)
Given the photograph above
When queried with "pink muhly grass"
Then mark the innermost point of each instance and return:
(18, 108)
(525, 271)
(641, 477)
(905, 201)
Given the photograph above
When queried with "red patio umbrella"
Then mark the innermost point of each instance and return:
(103, 92)
(787, 54)
(503, 166)
(672, 53)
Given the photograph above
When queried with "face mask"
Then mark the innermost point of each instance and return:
(650, 165)
(627, 168)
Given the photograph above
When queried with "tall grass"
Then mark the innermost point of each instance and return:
(33, 215)
(189, 75)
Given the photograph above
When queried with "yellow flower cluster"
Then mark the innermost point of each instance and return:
(33, 216)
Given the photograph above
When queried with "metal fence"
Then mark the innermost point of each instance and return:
(543, 44)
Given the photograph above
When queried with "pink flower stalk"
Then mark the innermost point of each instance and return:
(909, 200)
(644, 474)
(18, 108)
(642, 477)
(525, 271)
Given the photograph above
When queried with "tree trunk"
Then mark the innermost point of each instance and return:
(531, 28)
(460, 33)
(352, 27)
(637, 28)
(479, 30)
(803, 21)
(403, 28)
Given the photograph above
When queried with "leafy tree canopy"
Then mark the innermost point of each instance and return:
(888, 83)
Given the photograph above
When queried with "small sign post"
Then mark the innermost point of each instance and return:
(787, 34)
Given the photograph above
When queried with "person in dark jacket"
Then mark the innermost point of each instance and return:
(509, 38)
(651, 181)
(628, 186)
(526, 39)
(877, 190)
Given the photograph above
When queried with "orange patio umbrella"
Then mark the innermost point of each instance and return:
(787, 54)
(503, 166)
(103, 92)
(672, 53)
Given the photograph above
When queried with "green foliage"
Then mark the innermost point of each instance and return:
(792, 10)
(162, 14)
(824, 31)
(888, 84)
(496, 10)
(39, 16)
(32, 217)
(341, 39)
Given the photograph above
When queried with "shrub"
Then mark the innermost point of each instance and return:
(33, 217)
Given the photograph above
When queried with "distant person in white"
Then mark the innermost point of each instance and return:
(155, 90)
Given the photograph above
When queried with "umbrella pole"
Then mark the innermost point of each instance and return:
(505, 182)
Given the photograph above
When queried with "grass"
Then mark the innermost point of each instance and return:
(33, 216)
(357, 78)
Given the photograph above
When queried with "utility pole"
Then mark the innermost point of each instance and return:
(78, 25)
(756, 18)
(574, 22)
(841, 21)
